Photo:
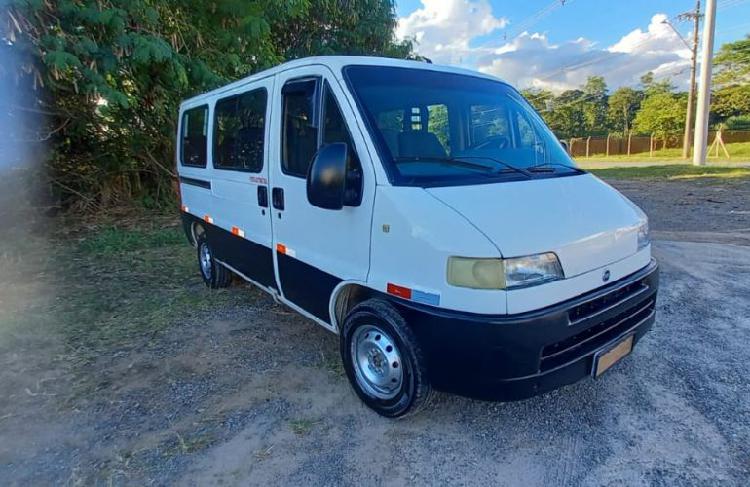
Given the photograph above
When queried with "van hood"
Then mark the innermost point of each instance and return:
(586, 222)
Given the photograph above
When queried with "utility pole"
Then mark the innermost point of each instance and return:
(687, 138)
(704, 95)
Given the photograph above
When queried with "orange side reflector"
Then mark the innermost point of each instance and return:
(281, 248)
(400, 291)
(208, 219)
(238, 231)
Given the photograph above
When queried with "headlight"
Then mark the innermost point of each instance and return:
(504, 273)
(476, 273)
(644, 236)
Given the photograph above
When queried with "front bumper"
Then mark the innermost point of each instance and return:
(513, 357)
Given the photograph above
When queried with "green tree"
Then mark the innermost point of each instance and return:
(541, 100)
(594, 105)
(732, 63)
(661, 114)
(566, 116)
(731, 101)
(110, 73)
(623, 106)
(652, 86)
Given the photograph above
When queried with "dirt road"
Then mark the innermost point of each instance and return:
(242, 391)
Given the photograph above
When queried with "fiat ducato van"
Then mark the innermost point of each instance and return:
(427, 216)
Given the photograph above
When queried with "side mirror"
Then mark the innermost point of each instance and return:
(565, 146)
(326, 177)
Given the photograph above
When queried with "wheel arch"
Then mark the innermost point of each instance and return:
(345, 296)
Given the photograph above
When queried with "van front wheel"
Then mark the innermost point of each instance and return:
(383, 360)
(214, 274)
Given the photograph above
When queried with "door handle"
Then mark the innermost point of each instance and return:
(277, 198)
(263, 196)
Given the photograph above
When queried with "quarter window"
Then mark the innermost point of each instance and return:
(239, 131)
(300, 129)
(193, 141)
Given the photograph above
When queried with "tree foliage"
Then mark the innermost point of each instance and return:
(661, 114)
(623, 105)
(109, 74)
(732, 63)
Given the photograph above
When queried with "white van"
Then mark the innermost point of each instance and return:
(427, 215)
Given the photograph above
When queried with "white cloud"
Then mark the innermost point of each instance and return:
(444, 29)
(531, 60)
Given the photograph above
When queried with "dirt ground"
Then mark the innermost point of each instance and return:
(117, 366)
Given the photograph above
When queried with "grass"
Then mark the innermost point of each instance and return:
(113, 240)
(301, 427)
(739, 152)
(673, 172)
(101, 288)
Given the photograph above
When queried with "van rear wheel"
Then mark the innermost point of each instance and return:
(383, 360)
(213, 273)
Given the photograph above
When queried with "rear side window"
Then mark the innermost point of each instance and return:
(193, 139)
(239, 131)
(300, 129)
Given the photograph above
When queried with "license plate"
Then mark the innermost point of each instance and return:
(605, 359)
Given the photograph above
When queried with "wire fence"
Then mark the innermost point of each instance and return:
(616, 145)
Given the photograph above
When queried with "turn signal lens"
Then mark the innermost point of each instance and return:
(644, 236)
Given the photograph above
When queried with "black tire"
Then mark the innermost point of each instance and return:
(214, 274)
(415, 390)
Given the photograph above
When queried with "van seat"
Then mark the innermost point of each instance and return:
(420, 143)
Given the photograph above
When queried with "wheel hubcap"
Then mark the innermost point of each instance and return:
(205, 261)
(377, 362)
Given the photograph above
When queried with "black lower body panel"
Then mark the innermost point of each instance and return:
(517, 356)
(251, 259)
(306, 286)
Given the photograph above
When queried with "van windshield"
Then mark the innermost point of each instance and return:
(434, 128)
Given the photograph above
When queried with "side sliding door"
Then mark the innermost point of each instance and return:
(240, 224)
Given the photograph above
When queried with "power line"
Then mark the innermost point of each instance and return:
(603, 56)
(727, 4)
(532, 19)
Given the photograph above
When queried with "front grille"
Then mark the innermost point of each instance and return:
(594, 337)
(595, 306)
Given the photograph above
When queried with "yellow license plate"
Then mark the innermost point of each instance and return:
(607, 358)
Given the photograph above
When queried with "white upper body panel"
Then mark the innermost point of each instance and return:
(582, 220)
(414, 230)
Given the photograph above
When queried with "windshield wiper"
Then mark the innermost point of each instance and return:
(550, 167)
(501, 162)
(449, 161)
(459, 162)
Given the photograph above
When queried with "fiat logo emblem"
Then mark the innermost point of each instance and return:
(605, 276)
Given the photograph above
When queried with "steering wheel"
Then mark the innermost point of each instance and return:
(493, 142)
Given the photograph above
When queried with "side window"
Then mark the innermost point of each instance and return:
(239, 131)
(487, 122)
(299, 129)
(193, 137)
(526, 132)
(437, 123)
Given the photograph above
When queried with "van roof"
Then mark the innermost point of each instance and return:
(336, 63)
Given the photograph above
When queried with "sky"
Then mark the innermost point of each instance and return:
(558, 44)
